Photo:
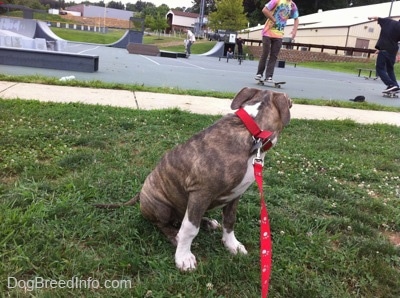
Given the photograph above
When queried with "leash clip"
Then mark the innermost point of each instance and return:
(258, 159)
(257, 144)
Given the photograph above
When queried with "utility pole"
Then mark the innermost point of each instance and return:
(201, 18)
(391, 6)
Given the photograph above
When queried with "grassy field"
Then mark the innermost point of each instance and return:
(334, 205)
(91, 37)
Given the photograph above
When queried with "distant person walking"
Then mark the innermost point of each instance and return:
(387, 46)
(190, 39)
(277, 13)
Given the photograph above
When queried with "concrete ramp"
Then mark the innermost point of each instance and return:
(216, 51)
(25, 27)
(43, 31)
(31, 43)
(130, 36)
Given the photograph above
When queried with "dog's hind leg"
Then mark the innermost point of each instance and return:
(161, 215)
(228, 236)
(169, 231)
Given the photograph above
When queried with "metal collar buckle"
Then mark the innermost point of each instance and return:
(258, 145)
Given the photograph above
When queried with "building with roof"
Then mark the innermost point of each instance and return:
(179, 20)
(91, 11)
(347, 27)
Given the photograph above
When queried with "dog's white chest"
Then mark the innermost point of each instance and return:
(247, 180)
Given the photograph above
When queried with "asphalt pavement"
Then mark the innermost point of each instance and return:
(198, 72)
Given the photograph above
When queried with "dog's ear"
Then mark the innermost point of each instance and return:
(283, 103)
(242, 96)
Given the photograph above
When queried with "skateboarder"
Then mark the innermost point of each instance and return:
(387, 46)
(189, 41)
(277, 13)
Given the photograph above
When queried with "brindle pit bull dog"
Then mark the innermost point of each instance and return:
(212, 169)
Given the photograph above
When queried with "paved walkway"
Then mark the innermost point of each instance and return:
(195, 104)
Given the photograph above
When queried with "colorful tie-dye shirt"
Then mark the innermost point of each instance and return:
(282, 10)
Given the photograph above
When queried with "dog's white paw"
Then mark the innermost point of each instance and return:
(232, 244)
(185, 262)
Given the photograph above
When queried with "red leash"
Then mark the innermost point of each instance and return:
(265, 231)
(265, 234)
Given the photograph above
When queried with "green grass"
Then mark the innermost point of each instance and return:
(346, 67)
(333, 201)
(160, 40)
(91, 37)
(36, 15)
(163, 42)
(199, 47)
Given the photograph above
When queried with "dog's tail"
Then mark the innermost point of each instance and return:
(131, 202)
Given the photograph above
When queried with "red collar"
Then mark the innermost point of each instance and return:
(259, 135)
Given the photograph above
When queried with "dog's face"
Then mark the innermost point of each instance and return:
(270, 109)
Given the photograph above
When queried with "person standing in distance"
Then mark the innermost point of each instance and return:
(277, 13)
(190, 39)
(387, 46)
(239, 43)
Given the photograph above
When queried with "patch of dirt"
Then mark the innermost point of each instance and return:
(393, 237)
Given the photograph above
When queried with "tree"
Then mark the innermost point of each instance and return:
(156, 23)
(130, 7)
(253, 9)
(116, 5)
(208, 7)
(154, 17)
(141, 6)
(229, 15)
(35, 4)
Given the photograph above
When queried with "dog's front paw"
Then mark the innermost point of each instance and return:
(232, 244)
(185, 262)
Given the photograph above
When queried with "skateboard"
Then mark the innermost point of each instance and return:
(272, 84)
(391, 94)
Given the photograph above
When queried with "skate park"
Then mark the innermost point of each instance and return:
(29, 42)
(207, 72)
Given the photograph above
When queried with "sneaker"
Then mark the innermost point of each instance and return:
(391, 88)
(269, 80)
(258, 77)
